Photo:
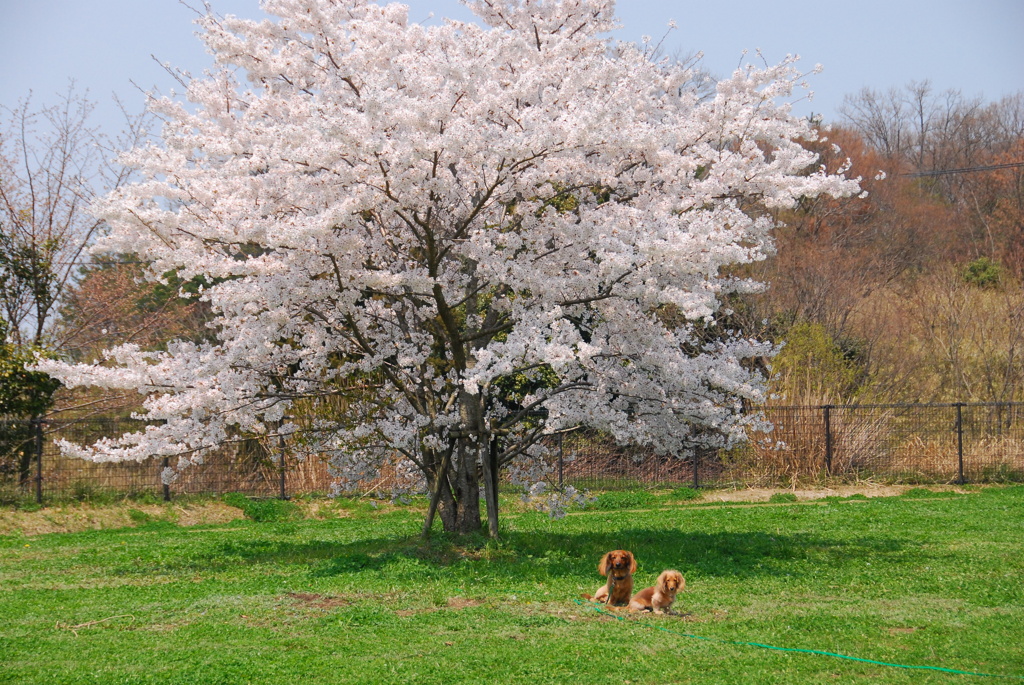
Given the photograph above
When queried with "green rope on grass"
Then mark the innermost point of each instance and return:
(818, 652)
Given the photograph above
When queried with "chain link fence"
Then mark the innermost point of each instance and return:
(898, 443)
(31, 464)
(905, 443)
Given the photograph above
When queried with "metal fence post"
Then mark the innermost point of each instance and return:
(828, 438)
(561, 458)
(960, 442)
(37, 427)
(166, 464)
(696, 464)
(280, 442)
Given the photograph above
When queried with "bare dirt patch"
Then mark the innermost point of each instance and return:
(805, 494)
(319, 601)
(462, 603)
(454, 603)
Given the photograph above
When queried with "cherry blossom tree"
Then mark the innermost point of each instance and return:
(444, 243)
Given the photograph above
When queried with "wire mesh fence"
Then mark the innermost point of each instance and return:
(908, 443)
(245, 466)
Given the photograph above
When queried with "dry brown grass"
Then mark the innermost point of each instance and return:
(78, 517)
(796, 449)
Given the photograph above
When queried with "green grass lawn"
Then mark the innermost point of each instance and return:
(916, 580)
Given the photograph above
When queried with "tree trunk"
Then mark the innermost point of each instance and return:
(437, 483)
(448, 508)
(490, 474)
(455, 485)
(455, 492)
(468, 488)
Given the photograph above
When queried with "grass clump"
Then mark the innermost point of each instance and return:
(685, 495)
(264, 510)
(782, 498)
(624, 499)
(856, 497)
(140, 518)
(918, 493)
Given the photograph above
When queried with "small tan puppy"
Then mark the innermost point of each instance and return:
(619, 565)
(659, 598)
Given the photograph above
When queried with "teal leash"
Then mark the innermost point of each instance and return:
(817, 652)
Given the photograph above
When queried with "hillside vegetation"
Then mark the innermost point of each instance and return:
(913, 292)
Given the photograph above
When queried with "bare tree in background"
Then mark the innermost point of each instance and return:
(926, 130)
(53, 162)
(961, 150)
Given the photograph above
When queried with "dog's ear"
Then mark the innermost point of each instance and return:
(602, 566)
(632, 562)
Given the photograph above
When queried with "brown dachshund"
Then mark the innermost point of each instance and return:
(619, 566)
(659, 598)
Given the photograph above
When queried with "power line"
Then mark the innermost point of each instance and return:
(965, 170)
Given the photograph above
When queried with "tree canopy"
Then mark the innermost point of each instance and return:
(444, 243)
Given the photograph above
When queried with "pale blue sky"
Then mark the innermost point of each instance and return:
(974, 46)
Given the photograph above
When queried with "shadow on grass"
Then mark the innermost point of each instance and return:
(539, 555)
(720, 554)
